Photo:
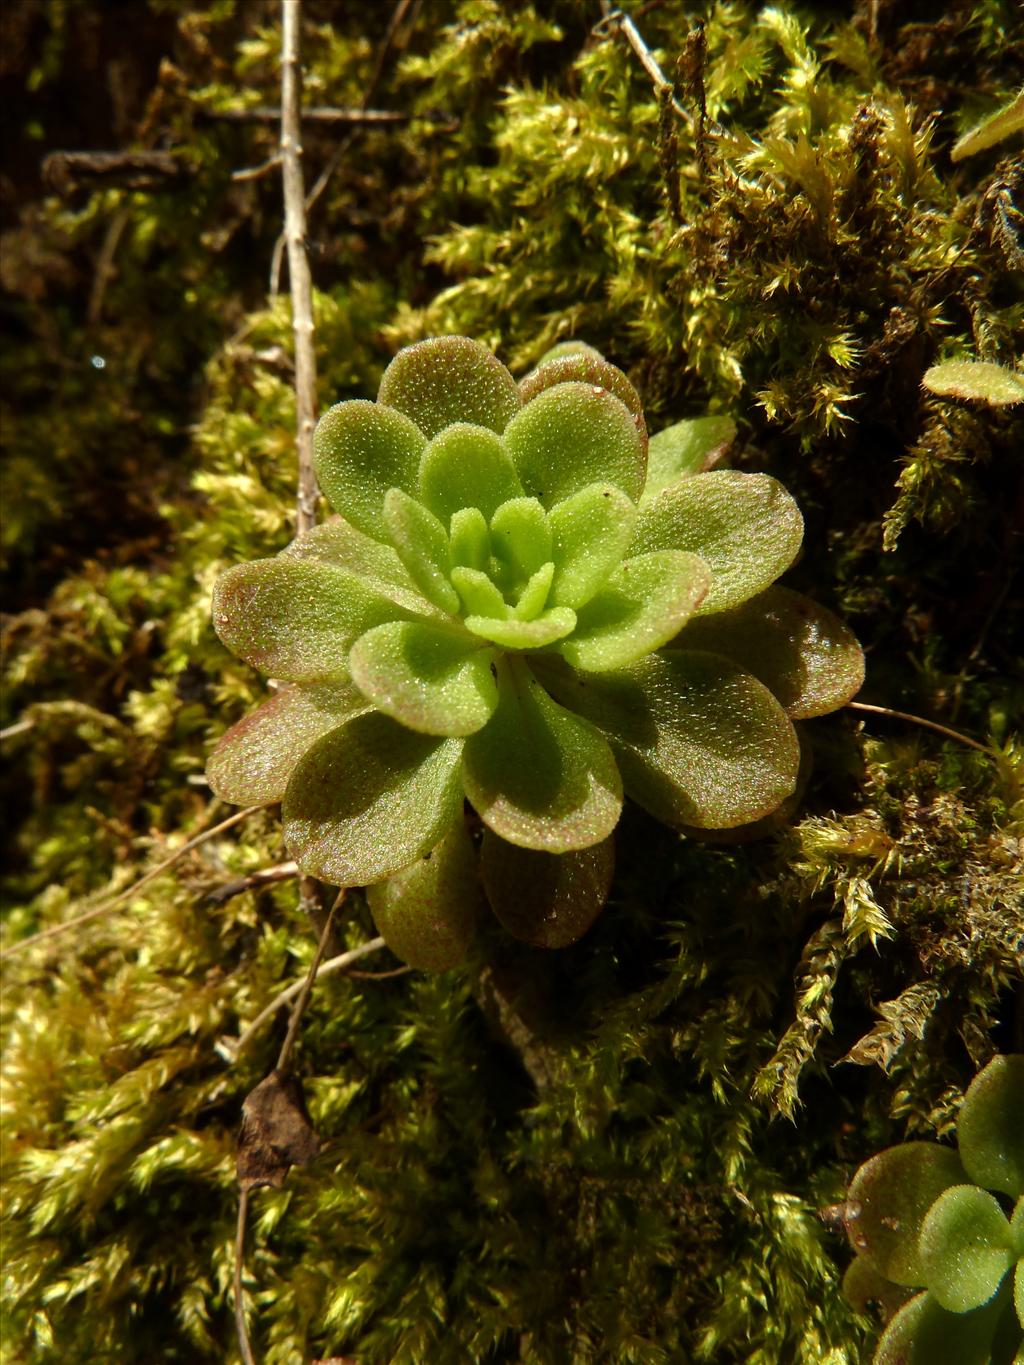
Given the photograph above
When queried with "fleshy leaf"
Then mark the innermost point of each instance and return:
(698, 741)
(574, 435)
(864, 1289)
(421, 543)
(434, 680)
(643, 604)
(979, 380)
(687, 448)
(588, 368)
(466, 466)
(470, 539)
(547, 899)
(965, 1247)
(545, 629)
(295, 618)
(590, 532)
(745, 527)
(479, 595)
(798, 649)
(360, 450)
(1003, 123)
(338, 543)
(534, 596)
(520, 538)
(990, 1129)
(574, 347)
(254, 759)
(369, 798)
(891, 1194)
(450, 379)
(537, 775)
(1018, 1292)
(426, 912)
(1017, 1227)
(925, 1333)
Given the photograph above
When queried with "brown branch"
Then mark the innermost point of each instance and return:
(264, 877)
(55, 929)
(622, 23)
(66, 172)
(325, 116)
(256, 172)
(927, 724)
(298, 263)
(229, 1048)
(244, 1345)
(288, 1046)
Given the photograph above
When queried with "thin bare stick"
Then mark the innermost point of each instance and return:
(624, 24)
(328, 117)
(928, 725)
(105, 266)
(264, 877)
(299, 278)
(255, 172)
(244, 1345)
(20, 727)
(288, 1046)
(331, 967)
(398, 16)
(55, 929)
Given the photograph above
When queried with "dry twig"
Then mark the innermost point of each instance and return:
(97, 910)
(298, 262)
(927, 724)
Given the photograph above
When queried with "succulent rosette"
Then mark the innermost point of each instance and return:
(939, 1234)
(526, 605)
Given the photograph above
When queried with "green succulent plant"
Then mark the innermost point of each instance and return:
(531, 606)
(949, 1224)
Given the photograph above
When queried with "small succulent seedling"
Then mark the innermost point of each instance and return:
(529, 606)
(950, 1224)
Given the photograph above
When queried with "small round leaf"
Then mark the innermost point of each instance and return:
(436, 681)
(446, 380)
(360, 450)
(547, 899)
(426, 912)
(990, 1129)
(965, 1247)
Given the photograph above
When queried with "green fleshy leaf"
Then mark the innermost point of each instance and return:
(890, 1196)
(686, 449)
(466, 466)
(569, 348)
(590, 533)
(965, 1248)
(447, 380)
(586, 367)
(470, 540)
(537, 775)
(295, 619)
(925, 1333)
(338, 543)
(360, 450)
(642, 606)
(745, 527)
(978, 380)
(798, 649)
(698, 741)
(253, 761)
(545, 629)
(864, 1289)
(1017, 1227)
(574, 435)
(426, 913)
(421, 543)
(520, 539)
(370, 798)
(547, 899)
(534, 596)
(990, 1129)
(434, 680)
(480, 598)
(1018, 1291)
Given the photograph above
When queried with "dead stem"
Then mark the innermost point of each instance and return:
(56, 929)
(244, 1345)
(927, 724)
